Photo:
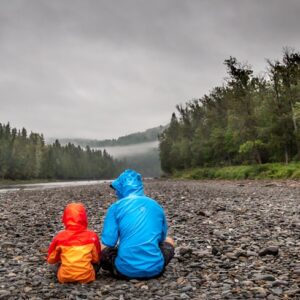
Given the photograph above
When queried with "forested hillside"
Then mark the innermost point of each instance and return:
(248, 120)
(148, 135)
(24, 156)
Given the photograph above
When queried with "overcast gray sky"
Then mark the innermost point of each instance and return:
(103, 69)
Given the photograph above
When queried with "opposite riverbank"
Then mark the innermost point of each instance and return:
(263, 171)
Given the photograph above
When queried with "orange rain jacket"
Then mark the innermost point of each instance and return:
(76, 248)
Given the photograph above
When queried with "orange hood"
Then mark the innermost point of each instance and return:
(74, 217)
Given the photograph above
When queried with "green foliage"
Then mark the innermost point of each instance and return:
(249, 146)
(250, 150)
(297, 112)
(249, 120)
(24, 157)
(264, 171)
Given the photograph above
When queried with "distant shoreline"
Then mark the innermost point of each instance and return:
(49, 185)
(11, 183)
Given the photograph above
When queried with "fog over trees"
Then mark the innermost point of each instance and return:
(137, 150)
(26, 156)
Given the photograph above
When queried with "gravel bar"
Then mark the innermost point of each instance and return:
(234, 240)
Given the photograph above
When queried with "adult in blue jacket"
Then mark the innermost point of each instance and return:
(134, 237)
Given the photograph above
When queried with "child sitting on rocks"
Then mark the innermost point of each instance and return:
(76, 249)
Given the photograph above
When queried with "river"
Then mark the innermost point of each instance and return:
(48, 185)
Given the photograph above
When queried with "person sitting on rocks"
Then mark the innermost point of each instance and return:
(134, 236)
(76, 250)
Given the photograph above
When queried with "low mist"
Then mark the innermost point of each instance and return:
(143, 157)
(131, 150)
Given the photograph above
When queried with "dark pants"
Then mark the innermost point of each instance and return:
(96, 268)
(108, 256)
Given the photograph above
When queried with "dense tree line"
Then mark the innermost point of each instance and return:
(250, 119)
(24, 156)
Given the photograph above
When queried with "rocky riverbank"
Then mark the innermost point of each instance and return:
(235, 240)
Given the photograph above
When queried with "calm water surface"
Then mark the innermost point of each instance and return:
(49, 185)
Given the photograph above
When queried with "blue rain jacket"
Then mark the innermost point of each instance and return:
(138, 223)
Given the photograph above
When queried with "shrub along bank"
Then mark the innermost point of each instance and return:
(262, 171)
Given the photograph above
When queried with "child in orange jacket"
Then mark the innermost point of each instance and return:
(76, 249)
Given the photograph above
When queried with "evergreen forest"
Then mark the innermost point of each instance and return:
(250, 119)
(24, 157)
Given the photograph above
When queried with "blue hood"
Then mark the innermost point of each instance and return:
(129, 183)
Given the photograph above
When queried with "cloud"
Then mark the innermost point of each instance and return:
(102, 69)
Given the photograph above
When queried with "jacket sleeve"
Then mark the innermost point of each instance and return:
(110, 232)
(96, 251)
(53, 252)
